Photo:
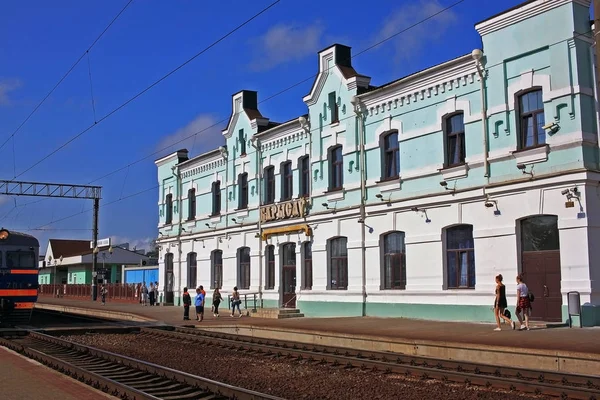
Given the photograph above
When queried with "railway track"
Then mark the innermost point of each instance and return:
(546, 383)
(121, 376)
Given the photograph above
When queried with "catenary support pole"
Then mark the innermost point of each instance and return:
(94, 253)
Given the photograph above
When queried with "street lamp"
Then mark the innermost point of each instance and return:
(104, 257)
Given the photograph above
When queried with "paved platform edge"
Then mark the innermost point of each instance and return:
(93, 312)
(549, 360)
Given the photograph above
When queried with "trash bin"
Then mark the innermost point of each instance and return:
(574, 307)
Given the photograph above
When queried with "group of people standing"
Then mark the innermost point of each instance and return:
(200, 299)
(148, 295)
(523, 308)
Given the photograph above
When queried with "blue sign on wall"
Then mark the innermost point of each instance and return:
(141, 275)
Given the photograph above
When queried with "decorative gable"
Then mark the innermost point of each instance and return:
(246, 102)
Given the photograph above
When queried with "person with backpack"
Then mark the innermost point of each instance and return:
(524, 299)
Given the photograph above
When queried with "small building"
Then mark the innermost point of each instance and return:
(147, 272)
(70, 262)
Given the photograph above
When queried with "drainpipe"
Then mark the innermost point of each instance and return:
(179, 226)
(594, 57)
(363, 197)
(477, 56)
(256, 144)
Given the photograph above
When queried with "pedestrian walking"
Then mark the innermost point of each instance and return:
(523, 309)
(156, 293)
(144, 294)
(199, 302)
(103, 293)
(187, 302)
(151, 294)
(235, 302)
(500, 304)
(216, 299)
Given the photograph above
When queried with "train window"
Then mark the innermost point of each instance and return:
(20, 259)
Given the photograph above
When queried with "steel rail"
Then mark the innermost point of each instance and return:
(531, 381)
(112, 373)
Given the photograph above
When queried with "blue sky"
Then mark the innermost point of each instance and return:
(278, 49)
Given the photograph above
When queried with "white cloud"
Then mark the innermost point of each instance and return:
(139, 244)
(7, 86)
(410, 43)
(209, 138)
(284, 43)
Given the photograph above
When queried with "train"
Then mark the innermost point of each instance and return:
(18, 277)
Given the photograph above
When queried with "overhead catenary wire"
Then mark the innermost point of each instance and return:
(193, 135)
(142, 92)
(65, 75)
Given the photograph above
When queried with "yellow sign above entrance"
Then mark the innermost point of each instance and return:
(290, 209)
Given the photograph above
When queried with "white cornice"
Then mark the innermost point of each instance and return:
(173, 156)
(522, 13)
(439, 80)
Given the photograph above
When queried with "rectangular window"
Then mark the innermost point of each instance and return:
(338, 263)
(20, 259)
(244, 268)
(333, 107)
(460, 257)
(390, 156)
(242, 141)
(243, 191)
(531, 118)
(307, 275)
(455, 140)
(270, 272)
(192, 269)
(169, 209)
(336, 169)
(287, 181)
(269, 179)
(304, 168)
(216, 198)
(217, 269)
(191, 204)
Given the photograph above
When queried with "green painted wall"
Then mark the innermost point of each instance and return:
(79, 275)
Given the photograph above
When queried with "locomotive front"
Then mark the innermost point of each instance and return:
(18, 276)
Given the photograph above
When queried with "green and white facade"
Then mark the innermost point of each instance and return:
(407, 199)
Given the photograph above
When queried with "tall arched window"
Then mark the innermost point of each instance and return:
(454, 130)
(460, 257)
(270, 270)
(531, 118)
(307, 280)
(338, 263)
(243, 256)
(216, 260)
(394, 261)
(336, 168)
(191, 204)
(390, 156)
(169, 209)
(192, 263)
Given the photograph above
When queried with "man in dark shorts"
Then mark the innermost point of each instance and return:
(199, 302)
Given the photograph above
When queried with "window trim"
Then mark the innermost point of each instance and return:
(447, 251)
(189, 268)
(270, 267)
(458, 134)
(334, 111)
(306, 284)
(216, 198)
(330, 260)
(242, 278)
(269, 179)
(383, 153)
(287, 181)
(304, 173)
(243, 191)
(519, 118)
(331, 164)
(384, 254)
(242, 140)
(191, 204)
(169, 209)
(216, 282)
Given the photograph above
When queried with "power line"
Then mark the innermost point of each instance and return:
(65, 75)
(271, 97)
(123, 105)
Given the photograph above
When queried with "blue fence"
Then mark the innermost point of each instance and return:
(141, 275)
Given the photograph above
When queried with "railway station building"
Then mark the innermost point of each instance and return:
(68, 261)
(406, 199)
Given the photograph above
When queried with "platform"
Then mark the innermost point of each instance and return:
(573, 350)
(25, 379)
